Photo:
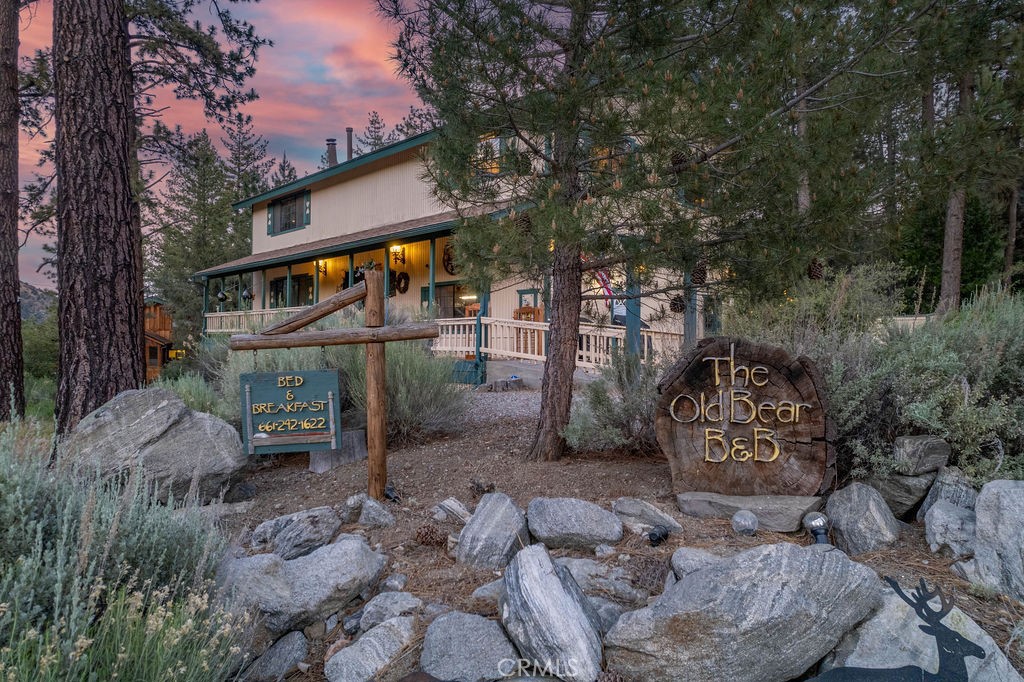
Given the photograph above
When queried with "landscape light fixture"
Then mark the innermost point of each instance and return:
(398, 254)
(816, 524)
(658, 535)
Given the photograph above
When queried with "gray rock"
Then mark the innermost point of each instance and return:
(950, 486)
(861, 520)
(900, 492)
(607, 611)
(452, 507)
(548, 617)
(279, 660)
(604, 551)
(727, 623)
(152, 429)
(394, 583)
(375, 515)
(781, 513)
(744, 522)
(568, 522)
(496, 531)
(687, 560)
(353, 505)
(892, 638)
(371, 653)
(466, 647)
(292, 594)
(490, 592)
(998, 540)
(350, 623)
(916, 455)
(604, 580)
(296, 534)
(388, 605)
(950, 529)
(643, 515)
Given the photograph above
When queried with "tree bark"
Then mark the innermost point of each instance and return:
(1011, 234)
(953, 238)
(99, 245)
(12, 380)
(556, 386)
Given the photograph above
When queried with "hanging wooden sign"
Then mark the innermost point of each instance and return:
(291, 411)
(741, 418)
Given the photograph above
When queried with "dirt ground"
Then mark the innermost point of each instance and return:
(488, 452)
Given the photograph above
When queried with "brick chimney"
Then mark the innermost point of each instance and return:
(332, 152)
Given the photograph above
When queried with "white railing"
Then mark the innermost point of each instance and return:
(517, 339)
(245, 321)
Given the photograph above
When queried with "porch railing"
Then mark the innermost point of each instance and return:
(527, 340)
(245, 321)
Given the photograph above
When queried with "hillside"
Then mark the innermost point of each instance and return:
(35, 302)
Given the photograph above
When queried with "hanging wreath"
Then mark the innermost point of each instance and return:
(448, 258)
(402, 282)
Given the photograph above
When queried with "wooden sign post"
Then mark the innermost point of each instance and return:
(374, 335)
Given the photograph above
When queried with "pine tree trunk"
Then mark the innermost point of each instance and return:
(953, 239)
(99, 246)
(952, 252)
(1011, 234)
(563, 340)
(12, 380)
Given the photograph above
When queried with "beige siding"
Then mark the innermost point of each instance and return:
(392, 193)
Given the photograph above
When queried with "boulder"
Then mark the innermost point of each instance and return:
(450, 506)
(781, 513)
(901, 492)
(607, 611)
(291, 594)
(388, 605)
(491, 591)
(950, 486)
(998, 539)
(371, 653)
(861, 520)
(152, 429)
(687, 560)
(353, 505)
(916, 455)
(296, 534)
(572, 523)
(279, 660)
(466, 647)
(744, 522)
(950, 529)
(641, 516)
(374, 514)
(548, 618)
(496, 531)
(757, 616)
(600, 579)
(893, 638)
(394, 583)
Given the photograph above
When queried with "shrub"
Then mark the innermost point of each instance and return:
(617, 410)
(193, 390)
(98, 578)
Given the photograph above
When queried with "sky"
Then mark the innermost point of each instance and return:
(329, 66)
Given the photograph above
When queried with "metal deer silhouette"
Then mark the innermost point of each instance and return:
(953, 647)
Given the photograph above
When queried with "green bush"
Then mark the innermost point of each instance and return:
(193, 389)
(40, 396)
(98, 578)
(617, 410)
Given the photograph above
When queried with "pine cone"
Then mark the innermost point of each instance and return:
(816, 270)
(699, 275)
(431, 536)
(609, 676)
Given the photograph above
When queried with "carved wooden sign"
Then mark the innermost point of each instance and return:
(741, 418)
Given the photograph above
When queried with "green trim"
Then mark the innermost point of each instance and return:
(340, 169)
(433, 272)
(351, 269)
(368, 244)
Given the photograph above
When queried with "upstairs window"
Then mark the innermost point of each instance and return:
(290, 213)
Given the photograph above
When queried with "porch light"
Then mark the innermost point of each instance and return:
(246, 294)
(398, 254)
(221, 296)
(321, 267)
(468, 297)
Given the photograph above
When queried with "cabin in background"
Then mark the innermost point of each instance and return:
(158, 328)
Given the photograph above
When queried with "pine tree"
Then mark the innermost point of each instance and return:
(374, 136)
(12, 382)
(284, 173)
(640, 138)
(196, 233)
(247, 168)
